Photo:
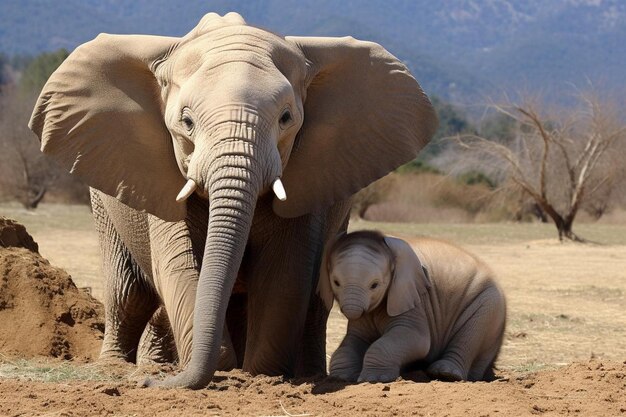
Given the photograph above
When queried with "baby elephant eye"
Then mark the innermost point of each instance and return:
(374, 286)
(285, 119)
(336, 283)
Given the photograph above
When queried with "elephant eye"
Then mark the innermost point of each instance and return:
(187, 122)
(374, 286)
(336, 283)
(285, 119)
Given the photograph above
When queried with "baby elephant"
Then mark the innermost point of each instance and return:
(427, 304)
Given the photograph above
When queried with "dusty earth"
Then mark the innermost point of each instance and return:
(43, 315)
(586, 389)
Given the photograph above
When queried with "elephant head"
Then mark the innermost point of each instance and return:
(225, 111)
(360, 269)
(357, 271)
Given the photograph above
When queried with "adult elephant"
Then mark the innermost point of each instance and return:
(226, 112)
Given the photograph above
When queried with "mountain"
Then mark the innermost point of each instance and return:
(463, 50)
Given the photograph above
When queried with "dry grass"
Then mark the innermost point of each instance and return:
(51, 371)
(424, 197)
(565, 301)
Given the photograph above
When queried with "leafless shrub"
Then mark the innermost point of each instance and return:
(391, 211)
(374, 193)
(422, 197)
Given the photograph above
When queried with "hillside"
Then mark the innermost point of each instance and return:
(460, 49)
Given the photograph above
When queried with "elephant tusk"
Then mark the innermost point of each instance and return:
(186, 191)
(279, 189)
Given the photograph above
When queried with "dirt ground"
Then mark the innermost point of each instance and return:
(564, 351)
(586, 389)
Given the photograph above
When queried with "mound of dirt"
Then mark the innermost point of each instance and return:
(42, 312)
(14, 235)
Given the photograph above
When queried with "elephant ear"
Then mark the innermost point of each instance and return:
(100, 116)
(365, 115)
(410, 282)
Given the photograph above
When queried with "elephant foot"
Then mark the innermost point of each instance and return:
(157, 343)
(114, 356)
(156, 351)
(445, 370)
(155, 358)
(344, 375)
(378, 375)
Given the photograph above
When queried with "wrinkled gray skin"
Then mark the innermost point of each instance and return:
(449, 321)
(227, 109)
(132, 295)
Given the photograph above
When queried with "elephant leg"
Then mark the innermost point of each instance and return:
(276, 323)
(157, 342)
(312, 357)
(129, 299)
(228, 357)
(476, 340)
(406, 340)
(281, 269)
(236, 322)
(312, 360)
(175, 270)
(483, 367)
(347, 361)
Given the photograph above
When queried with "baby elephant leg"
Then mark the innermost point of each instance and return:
(397, 347)
(483, 367)
(476, 341)
(347, 360)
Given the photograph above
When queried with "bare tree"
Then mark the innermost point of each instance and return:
(561, 162)
(26, 174)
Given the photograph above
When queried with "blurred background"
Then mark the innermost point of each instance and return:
(530, 97)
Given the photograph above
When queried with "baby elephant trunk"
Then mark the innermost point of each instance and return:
(352, 312)
(353, 302)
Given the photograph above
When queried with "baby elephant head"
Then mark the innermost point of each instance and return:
(361, 268)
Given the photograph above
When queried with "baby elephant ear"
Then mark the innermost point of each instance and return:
(409, 283)
(323, 285)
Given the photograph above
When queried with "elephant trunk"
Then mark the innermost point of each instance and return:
(354, 302)
(352, 312)
(230, 218)
(233, 185)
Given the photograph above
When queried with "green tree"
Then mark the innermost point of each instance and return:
(39, 69)
(499, 127)
(4, 64)
(20, 61)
